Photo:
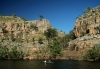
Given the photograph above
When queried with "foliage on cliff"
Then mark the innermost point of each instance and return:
(18, 34)
(15, 52)
(93, 53)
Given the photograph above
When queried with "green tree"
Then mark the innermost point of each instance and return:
(40, 40)
(17, 53)
(87, 10)
(64, 40)
(3, 52)
(14, 15)
(72, 35)
(51, 33)
(92, 53)
(55, 49)
(41, 17)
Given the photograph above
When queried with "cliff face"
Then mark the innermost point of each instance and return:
(25, 35)
(18, 27)
(87, 23)
(87, 31)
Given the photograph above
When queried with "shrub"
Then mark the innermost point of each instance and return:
(93, 53)
(40, 40)
(17, 53)
(51, 33)
(12, 37)
(14, 15)
(3, 52)
(33, 26)
(82, 33)
(19, 39)
(55, 49)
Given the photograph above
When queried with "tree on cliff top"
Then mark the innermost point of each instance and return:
(41, 17)
(87, 10)
(14, 15)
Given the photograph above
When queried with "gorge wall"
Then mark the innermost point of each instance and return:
(87, 32)
(17, 27)
(87, 23)
(25, 35)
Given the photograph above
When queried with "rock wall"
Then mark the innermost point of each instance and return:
(87, 23)
(18, 27)
(76, 48)
(87, 32)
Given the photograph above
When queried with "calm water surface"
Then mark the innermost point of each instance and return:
(58, 64)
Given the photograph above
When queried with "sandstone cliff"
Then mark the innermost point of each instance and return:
(15, 32)
(18, 27)
(87, 32)
(87, 23)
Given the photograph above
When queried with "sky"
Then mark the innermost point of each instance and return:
(61, 13)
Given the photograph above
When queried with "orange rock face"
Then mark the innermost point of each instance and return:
(87, 23)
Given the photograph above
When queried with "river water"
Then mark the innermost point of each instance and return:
(57, 64)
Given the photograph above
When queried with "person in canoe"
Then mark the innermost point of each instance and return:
(49, 61)
(45, 61)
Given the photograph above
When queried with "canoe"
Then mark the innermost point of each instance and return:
(48, 62)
